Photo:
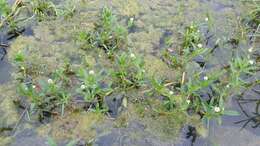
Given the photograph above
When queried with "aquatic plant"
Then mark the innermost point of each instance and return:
(160, 89)
(240, 67)
(191, 47)
(51, 142)
(42, 9)
(191, 37)
(45, 97)
(252, 19)
(67, 10)
(221, 81)
(14, 16)
(5, 9)
(91, 88)
(129, 70)
(8, 14)
(107, 34)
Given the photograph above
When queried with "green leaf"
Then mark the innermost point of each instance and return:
(72, 143)
(124, 102)
(231, 113)
(219, 120)
(51, 142)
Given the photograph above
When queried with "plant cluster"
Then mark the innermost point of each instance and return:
(129, 70)
(56, 92)
(11, 16)
(4, 8)
(187, 95)
(191, 47)
(53, 96)
(252, 19)
(42, 9)
(45, 97)
(107, 34)
(93, 88)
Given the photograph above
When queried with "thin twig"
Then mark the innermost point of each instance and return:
(4, 45)
(20, 119)
(183, 78)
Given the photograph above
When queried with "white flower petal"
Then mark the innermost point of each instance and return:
(50, 81)
(91, 72)
(205, 78)
(132, 55)
(200, 45)
(251, 62)
(217, 109)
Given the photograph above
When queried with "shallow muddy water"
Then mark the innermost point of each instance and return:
(154, 22)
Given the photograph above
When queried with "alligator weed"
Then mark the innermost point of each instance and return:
(92, 90)
(191, 47)
(46, 97)
(43, 9)
(51, 142)
(107, 35)
(4, 8)
(190, 89)
(129, 70)
(76, 68)
(13, 18)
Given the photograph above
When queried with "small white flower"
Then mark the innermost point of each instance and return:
(198, 31)
(188, 101)
(22, 68)
(228, 86)
(132, 55)
(216, 109)
(199, 45)
(33, 86)
(250, 50)
(143, 71)
(91, 72)
(251, 62)
(206, 19)
(131, 19)
(205, 78)
(171, 92)
(82, 87)
(50, 81)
